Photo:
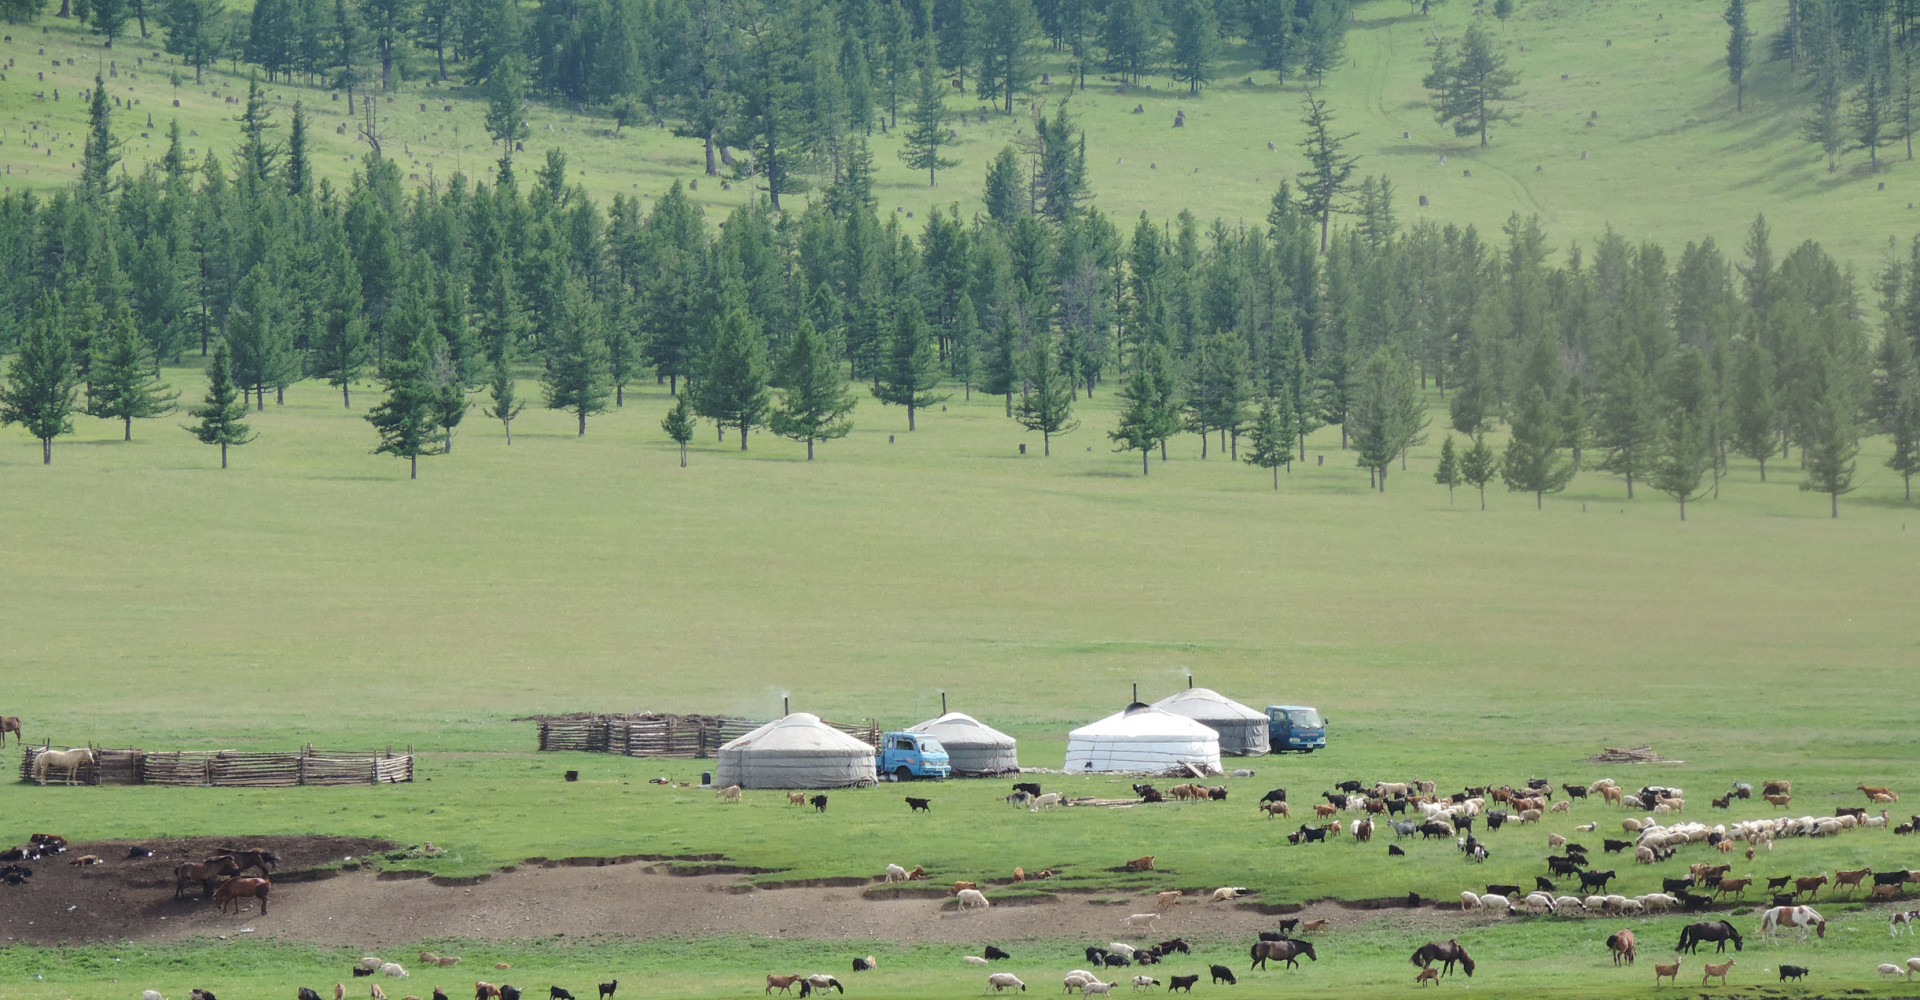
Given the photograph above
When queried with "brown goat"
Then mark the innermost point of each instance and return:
(1850, 879)
(1717, 970)
(1667, 971)
(1144, 864)
(1809, 885)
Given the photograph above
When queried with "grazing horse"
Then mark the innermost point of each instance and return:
(70, 760)
(1287, 950)
(1446, 952)
(10, 724)
(234, 890)
(1719, 931)
(203, 873)
(251, 858)
(1621, 944)
(1805, 918)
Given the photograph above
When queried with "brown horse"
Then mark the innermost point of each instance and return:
(251, 858)
(203, 873)
(234, 890)
(9, 724)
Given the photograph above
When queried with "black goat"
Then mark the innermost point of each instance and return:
(556, 993)
(1615, 846)
(1541, 883)
(819, 803)
(1350, 786)
(1030, 787)
(918, 805)
(1595, 880)
(1277, 795)
(993, 954)
(606, 989)
(1394, 851)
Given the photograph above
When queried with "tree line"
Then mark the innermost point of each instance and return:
(1612, 357)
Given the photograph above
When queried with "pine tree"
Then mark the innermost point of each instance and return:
(124, 382)
(223, 420)
(194, 31)
(1479, 466)
(1503, 9)
(1270, 440)
(815, 400)
(339, 349)
(505, 407)
(506, 114)
(927, 126)
(576, 376)
(1628, 421)
(405, 419)
(679, 424)
(102, 149)
(1005, 33)
(1220, 390)
(1756, 416)
(910, 372)
(1196, 43)
(1004, 183)
(1824, 125)
(1832, 441)
(733, 392)
(449, 395)
(1905, 430)
(1868, 119)
(1739, 45)
(1684, 457)
(1323, 38)
(1048, 406)
(1533, 463)
(1270, 28)
(1138, 429)
(299, 165)
(1328, 168)
(1447, 473)
(40, 394)
(1470, 84)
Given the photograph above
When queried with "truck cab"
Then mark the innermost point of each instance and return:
(911, 755)
(1295, 727)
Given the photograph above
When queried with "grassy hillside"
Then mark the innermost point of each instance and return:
(1627, 121)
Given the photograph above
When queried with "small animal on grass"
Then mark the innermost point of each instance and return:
(307, 993)
(200, 994)
(1671, 971)
(1051, 800)
(439, 994)
(359, 972)
(1446, 953)
(234, 890)
(1902, 922)
(1182, 983)
(783, 983)
(393, 969)
(1620, 943)
(731, 793)
(139, 852)
(9, 724)
(972, 899)
(1427, 975)
(485, 991)
(918, 805)
(994, 954)
(1795, 972)
(1229, 892)
(821, 982)
(376, 992)
(1137, 920)
(1717, 970)
(1144, 864)
(556, 993)
(864, 964)
(1030, 787)
(819, 803)
(1394, 851)
(1221, 974)
(339, 991)
(1890, 969)
(1142, 982)
(1177, 944)
(606, 989)
(959, 886)
(1005, 981)
(973, 960)
(796, 798)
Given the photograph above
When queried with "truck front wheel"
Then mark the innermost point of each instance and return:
(903, 773)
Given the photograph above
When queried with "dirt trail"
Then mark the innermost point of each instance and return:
(133, 900)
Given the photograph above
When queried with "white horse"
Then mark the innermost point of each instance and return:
(1805, 918)
(68, 759)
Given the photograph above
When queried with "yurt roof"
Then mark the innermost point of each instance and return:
(959, 728)
(1143, 720)
(801, 731)
(1204, 703)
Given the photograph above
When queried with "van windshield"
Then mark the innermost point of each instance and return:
(930, 745)
(1305, 718)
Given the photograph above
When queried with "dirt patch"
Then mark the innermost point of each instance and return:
(361, 908)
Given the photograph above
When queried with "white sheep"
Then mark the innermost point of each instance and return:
(1122, 948)
(973, 960)
(1228, 892)
(1143, 982)
(895, 873)
(371, 963)
(1136, 920)
(1005, 981)
(1097, 988)
(1886, 969)
(151, 995)
(1469, 901)
(1494, 901)
(1075, 980)
(972, 899)
(1568, 904)
(393, 969)
(1051, 800)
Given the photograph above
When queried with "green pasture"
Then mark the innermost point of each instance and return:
(1626, 121)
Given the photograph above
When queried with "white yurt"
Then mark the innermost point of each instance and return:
(974, 749)
(798, 751)
(1142, 738)
(1243, 731)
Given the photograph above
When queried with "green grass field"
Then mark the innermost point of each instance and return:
(312, 594)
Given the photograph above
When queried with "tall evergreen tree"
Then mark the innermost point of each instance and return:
(909, 372)
(733, 391)
(124, 380)
(1004, 42)
(1533, 462)
(576, 376)
(927, 126)
(679, 424)
(339, 349)
(1447, 472)
(506, 115)
(1196, 42)
(1138, 429)
(1470, 85)
(1832, 441)
(1328, 168)
(1628, 421)
(1004, 183)
(1868, 119)
(1479, 465)
(194, 31)
(1825, 124)
(1270, 439)
(1684, 457)
(299, 165)
(223, 417)
(405, 419)
(1739, 45)
(43, 376)
(815, 400)
(1048, 406)
(1905, 430)
(103, 148)
(1756, 418)
(504, 406)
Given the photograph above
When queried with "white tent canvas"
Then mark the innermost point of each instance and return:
(798, 751)
(1142, 738)
(973, 747)
(1243, 731)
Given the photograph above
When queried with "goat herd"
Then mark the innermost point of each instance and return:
(1651, 838)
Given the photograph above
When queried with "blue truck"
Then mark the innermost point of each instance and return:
(907, 756)
(1295, 727)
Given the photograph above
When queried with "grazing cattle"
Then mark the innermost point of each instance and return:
(1446, 953)
(1005, 981)
(1802, 918)
(1719, 931)
(819, 803)
(1717, 970)
(1620, 943)
(1287, 950)
(994, 954)
(1671, 971)
(1182, 983)
(1794, 972)
(731, 793)
(783, 983)
(234, 890)
(1144, 864)
(1222, 973)
(918, 805)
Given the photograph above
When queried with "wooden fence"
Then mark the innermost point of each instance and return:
(233, 768)
(659, 735)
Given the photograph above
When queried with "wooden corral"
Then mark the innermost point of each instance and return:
(653, 734)
(234, 768)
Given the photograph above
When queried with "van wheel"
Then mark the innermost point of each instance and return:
(903, 773)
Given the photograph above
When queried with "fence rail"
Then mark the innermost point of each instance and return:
(232, 768)
(660, 735)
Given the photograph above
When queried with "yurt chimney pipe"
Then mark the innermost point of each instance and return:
(1189, 682)
(1136, 691)
(943, 703)
(786, 706)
